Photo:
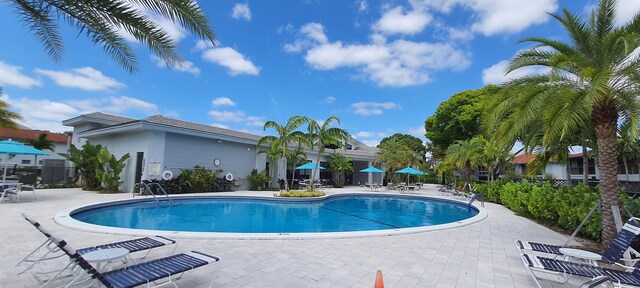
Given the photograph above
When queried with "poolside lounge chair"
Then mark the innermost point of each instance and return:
(49, 251)
(614, 253)
(565, 268)
(134, 275)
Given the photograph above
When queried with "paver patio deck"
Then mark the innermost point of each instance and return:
(478, 255)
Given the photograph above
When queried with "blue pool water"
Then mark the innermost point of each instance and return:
(334, 214)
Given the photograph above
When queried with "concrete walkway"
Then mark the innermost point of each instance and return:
(479, 255)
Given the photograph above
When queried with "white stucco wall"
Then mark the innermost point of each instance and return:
(120, 144)
(184, 152)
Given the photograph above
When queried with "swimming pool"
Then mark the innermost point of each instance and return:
(346, 215)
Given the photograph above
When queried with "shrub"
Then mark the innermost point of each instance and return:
(296, 193)
(258, 181)
(564, 207)
(196, 180)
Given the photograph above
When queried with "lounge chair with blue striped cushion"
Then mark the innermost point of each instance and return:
(565, 268)
(48, 251)
(614, 253)
(147, 273)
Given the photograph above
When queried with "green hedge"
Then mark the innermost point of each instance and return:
(564, 207)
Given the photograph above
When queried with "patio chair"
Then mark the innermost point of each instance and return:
(566, 269)
(133, 275)
(617, 249)
(49, 251)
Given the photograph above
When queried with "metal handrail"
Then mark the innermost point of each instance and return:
(147, 187)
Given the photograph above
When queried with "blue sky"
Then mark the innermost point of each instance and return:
(381, 66)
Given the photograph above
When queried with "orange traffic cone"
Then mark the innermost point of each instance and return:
(379, 281)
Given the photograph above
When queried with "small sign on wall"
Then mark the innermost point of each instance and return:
(154, 169)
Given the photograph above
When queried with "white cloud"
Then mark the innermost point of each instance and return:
(112, 104)
(509, 16)
(399, 63)
(184, 66)
(371, 143)
(231, 59)
(85, 78)
(373, 108)
(222, 101)
(626, 9)
(367, 134)
(459, 34)
(492, 17)
(241, 11)
(236, 117)
(49, 114)
(397, 21)
(330, 100)
(220, 125)
(363, 6)
(11, 76)
(312, 34)
(417, 131)
(496, 74)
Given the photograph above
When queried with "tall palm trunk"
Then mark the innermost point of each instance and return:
(626, 167)
(284, 159)
(585, 164)
(604, 119)
(313, 173)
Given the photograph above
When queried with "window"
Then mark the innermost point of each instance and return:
(26, 161)
(632, 167)
(576, 166)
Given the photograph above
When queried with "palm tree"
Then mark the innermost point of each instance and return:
(8, 118)
(42, 142)
(396, 155)
(491, 155)
(103, 21)
(601, 72)
(324, 135)
(340, 165)
(297, 156)
(464, 154)
(286, 134)
(272, 152)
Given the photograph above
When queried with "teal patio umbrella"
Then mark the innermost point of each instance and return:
(372, 170)
(410, 171)
(16, 148)
(309, 166)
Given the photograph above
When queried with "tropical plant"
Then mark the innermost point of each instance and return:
(258, 180)
(104, 22)
(42, 142)
(340, 165)
(464, 155)
(408, 140)
(396, 155)
(109, 175)
(324, 136)
(7, 117)
(287, 133)
(87, 164)
(491, 155)
(273, 153)
(297, 156)
(592, 82)
(458, 118)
